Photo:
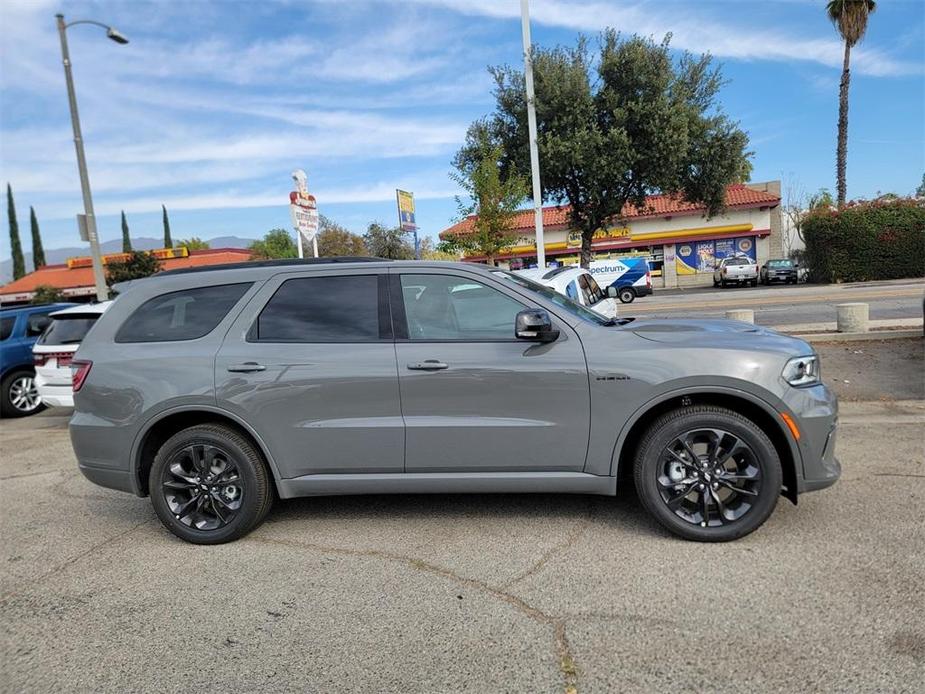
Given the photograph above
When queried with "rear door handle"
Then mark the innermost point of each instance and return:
(429, 365)
(246, 367)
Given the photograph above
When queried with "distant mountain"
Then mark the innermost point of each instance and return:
(143, 243)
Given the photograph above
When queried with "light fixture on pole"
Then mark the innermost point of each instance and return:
(531, 129)
(99, 279)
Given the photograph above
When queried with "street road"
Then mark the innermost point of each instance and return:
(785, 304)
(441, 594)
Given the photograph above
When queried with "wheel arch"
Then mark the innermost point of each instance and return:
(746, 404)
(167, 423)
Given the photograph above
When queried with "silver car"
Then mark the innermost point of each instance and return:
(216, 391)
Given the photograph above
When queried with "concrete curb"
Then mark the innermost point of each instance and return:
(858, 337)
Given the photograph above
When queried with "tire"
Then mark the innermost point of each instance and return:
(18, 394)
(627, 295)
(722, 283)
(757, 468)
(755, 282)
(242, 478)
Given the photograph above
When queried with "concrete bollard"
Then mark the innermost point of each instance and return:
(746, 315)
(852, 318)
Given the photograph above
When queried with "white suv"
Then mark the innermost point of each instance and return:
(53, 351)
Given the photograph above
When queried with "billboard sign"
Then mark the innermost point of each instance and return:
(303, 208)
(405, 210)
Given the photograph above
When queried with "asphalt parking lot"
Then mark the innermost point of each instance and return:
(467, 593)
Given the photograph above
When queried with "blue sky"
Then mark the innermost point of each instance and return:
(212, 104)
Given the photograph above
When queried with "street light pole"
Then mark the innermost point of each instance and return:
(99, 279)
(531, 129)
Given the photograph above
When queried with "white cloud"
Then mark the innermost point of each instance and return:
(690, 30)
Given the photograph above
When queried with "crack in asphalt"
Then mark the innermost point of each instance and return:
(6, 597)
(557, 548)
(566, 660)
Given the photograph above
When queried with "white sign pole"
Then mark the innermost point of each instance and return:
(531, 127)
(315, 244)
(298, 238)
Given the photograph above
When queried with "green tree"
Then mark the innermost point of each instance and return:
(429, 251)
(194, 243)
(19, 263)
(334, 240)
(494, 201)
(820, 200)
(277, 243)
(126, 239)
(850, 19)
(46, 294)
(168, 243)
(139, 264)
(920, 191)
(644, 124)
(38, 252)
(387, 242)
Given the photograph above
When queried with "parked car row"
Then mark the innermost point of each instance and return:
(36, 346)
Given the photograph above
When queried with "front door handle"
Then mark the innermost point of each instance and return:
(429, 365)
(247, 367)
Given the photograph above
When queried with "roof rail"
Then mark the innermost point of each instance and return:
(288, 262)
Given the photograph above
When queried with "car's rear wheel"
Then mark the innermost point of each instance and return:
(209, 484)
(20, 396)
(755, 282)
(627, 295)
(707, 473)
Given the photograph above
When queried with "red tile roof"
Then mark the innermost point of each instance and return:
(63, 277)
(737, 196)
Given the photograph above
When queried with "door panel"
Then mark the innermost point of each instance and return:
(493, 404)
(321, 407)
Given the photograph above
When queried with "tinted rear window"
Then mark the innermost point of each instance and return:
(184, 315)
(6, 326)
(738, 261)
(68, 330)
(322, 309)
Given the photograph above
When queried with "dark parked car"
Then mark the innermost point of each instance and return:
(217, 390)
(19, 329)
(779, 270)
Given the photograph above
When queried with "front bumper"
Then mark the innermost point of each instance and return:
(815, 411)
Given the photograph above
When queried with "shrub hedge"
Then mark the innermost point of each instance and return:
(878, 240)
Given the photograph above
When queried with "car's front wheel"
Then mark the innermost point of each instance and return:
(707, 473)
(209, 484)
(19, 396)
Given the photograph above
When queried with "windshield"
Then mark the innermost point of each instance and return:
(558, 299)
(780, 263)
(68, 330)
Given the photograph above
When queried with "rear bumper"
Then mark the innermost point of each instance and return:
(55, 396)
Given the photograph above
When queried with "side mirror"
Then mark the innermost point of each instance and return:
(536, 325)
(612, 292)
(796, 265)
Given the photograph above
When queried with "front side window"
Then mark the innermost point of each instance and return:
(187, 314)
(343, 308)
(445, 307)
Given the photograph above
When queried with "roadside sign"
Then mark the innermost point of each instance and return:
(405, 210)
(303, 208)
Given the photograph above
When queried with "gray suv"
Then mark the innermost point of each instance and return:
(216, 390)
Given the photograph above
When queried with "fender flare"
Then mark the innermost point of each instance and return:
(766, 406)
(211, 409)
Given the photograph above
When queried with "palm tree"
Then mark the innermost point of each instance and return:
(850, 19)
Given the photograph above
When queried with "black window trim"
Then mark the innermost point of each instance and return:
(383, 312)
(400, 321)
(249, 286)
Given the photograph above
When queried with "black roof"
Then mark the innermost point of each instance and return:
(288, 262)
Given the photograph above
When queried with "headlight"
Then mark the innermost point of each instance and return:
(802, 371)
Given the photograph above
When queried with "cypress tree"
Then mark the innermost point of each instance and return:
(168, 243)
(126, 239)
(38, 252)
(19, 263)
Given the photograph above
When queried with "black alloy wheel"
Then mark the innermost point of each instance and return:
(707, 473)
(210, 484)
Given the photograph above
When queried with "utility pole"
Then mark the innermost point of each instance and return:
(99, 279)
(531, 127)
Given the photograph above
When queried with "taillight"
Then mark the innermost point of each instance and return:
(64, 358)
(39, 359)
(648, 280)
(79, 371)
(724, 271)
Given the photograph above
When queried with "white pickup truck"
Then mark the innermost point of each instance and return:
(735, 270)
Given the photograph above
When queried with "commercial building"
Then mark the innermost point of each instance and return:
(681, 244)
(74, 278)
